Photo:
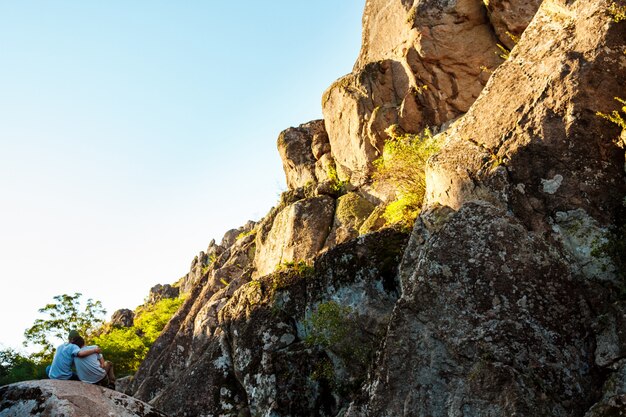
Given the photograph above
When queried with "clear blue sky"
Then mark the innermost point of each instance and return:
(133, 133)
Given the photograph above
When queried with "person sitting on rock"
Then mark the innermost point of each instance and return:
(93, 369)
(61, 367)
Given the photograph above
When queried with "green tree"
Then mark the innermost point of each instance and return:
(61, 316)
(127, 347)
(15, 367)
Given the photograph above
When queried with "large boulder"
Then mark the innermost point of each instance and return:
(296, 233)
(123, 318)
(420, 65)
(69, 399)
(492, 321)
(160, 292)
(300, 148)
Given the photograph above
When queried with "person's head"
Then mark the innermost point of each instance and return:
(79, 341)
(73, 335)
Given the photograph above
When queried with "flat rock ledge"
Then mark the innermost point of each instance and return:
(53, 398)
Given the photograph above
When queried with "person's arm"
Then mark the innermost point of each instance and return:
(88, 352)
(101, 359)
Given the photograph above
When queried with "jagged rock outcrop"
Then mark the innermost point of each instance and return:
(421, 64)
(123, 318)
(498, 306)
(244, 348)
(69, 399)
(302, 150)
(510, 18)
(183, 340)
(159, 292)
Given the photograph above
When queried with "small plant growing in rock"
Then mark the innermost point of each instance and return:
(244, 234)
(504, 52)
(402, 165)
(334, 327)
(301, 268)
(209, 264)
(337, 185)
(615, 115)
(617, 12)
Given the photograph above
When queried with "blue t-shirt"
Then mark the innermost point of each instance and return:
(61, 367)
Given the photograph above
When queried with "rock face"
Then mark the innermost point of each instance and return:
(261, 346)
(420, 65)
(508, 299)
(510, 18)
(499, 303)
(69, 399)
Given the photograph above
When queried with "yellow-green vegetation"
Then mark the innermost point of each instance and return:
(402, 165)
(127, 347)
(244, 234)
(615, 115)
(301, 268)
(209, 264)
(504, 52)
(352, 209)
(337, 185)
(124, 347)
(617, 12)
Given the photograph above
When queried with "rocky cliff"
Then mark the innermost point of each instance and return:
(507, 297)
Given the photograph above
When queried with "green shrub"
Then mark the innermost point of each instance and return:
(301, 268)
(337, 185)
(335, 327)
(150, 320)
(402, 165)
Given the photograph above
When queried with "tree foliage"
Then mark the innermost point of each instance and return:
(126, 347)
(16, 367)
(61, 316)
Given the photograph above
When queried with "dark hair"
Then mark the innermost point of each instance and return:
(79, 341)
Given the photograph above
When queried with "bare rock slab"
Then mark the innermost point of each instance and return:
(69, 399)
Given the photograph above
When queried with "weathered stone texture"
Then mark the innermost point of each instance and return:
(510, 18)
(242, 349)
(297, 233)
(491, 322)
(69, 399)
(420, 65)
(300, 148)
(123, 318)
